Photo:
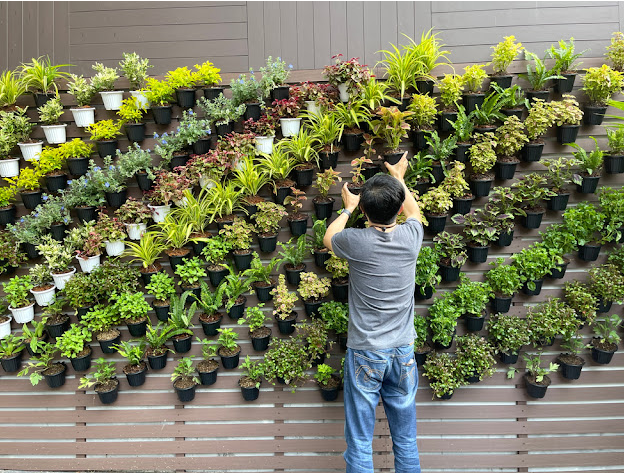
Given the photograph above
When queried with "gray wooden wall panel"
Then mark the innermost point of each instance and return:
(337, 20)
(305, 36)
(355, 31)
(272, 30)
(46, 28)
(288, 27)
(4, 35)
(14, 34)
(322, 35)
(406, 21)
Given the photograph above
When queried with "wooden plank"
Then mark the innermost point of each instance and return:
(14, 35)
(389, 25)
(305, 35)
(272, 31)
(406, 21)
(255, 34)
(30, 31)
(322, 34)
(372, 33)
(115, 6)
(355, 31)
(423, 21)
(288, 25)
(338, 25)
(62, 53)
(4, 34)
(46, 28)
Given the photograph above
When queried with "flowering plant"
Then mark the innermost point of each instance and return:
(111, 229)
(51, 212)
(246, 90)
(286, 108)
(313, 288)
(273, 75)
(265, 126)
(133, 211)
(351, 72)
(206, 75)
(134, 160)
(268, 217)
(283, 300)
(107, 178)
(221, 110)
(167, 145)
(168, 186)
(192, 128)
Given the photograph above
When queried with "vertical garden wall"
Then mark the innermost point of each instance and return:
(492, 425)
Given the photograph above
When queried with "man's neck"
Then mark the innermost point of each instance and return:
(383, 228)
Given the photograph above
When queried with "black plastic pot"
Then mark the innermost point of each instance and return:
(533, 292)
(567, 133)
(445, 121)
(182, 345)
(462, 206)
(250, 394)
(230, 362)
(31, 199)
(135, 132)
(501, 304)
(108, 346)
(56, 183)
(185, 97)
(202, 145)
(186, 394)
(293, 276)
(82, 363)
(303, 177)
(418, 292)
(505, 170)
(108, 397)
(393, 158)
(210, 328)
(564, 86)
(208, 378)
(342, 340)
(177, 260)
(513, 112)
(534, 390)
(281, 92)
(57, 231)
(217, 276)
(504, 82)
(147, 277)
(370, 171)
(106, 148)
(477, 254)
(137, 379)
(225, 128)
(474, 324)
(287, 326)
(323, 210)
(237, 310)
(532, 220)
(424, 86)
(588, 185)
(157, 362)
(570, 371)
(311, 308)
(340, 291)
(589, 252)
(449, 273)
(471, 101)
(419, 139)
(242, 262)
(56, 380)
(504, 239)
(268, 244)
(420, 358)
(42, 98)
(614, 164)
(212, 93)
(532, 152)
(558, 203)
(440, 346)
(461, 152)
(437, 173)
(30, 250)
(85, 214)
(601, 356)
(436, 224)
(593, 115)
(116, 199)
(137, 329)
(7, 215)
(12, 363)
(252, 111)
(178, 160)
(480, 188)
(298, 227)
(320, 258)
(280, 194)
(260, 343)
(603, 306)
(264, 293)
(144, 182)
(509, 359)
(162, 312)
(352, 141)
(82, 311)
(57, 329)
(329, 394)
(78, 166)
(559, 271)
(328, 160)
(162, 114)
(538, 94)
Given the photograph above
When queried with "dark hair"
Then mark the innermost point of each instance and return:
(381, 198)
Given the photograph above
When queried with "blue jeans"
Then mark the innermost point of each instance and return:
(391, 373)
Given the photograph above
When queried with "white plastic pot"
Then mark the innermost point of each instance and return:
(9, 167)
(141, 99)
(183, 202)
(83, 116)
(344, 92)
(61, 279)
(264, 144)
(55, 134)
(89, 264)
(290, 126)
(5, 327)
(44, 298)
(159, 212)
(206, 183)
(115, 248)
(31, 151)
(23, 315)
(112, 99)
(312, 107)
(135, 230)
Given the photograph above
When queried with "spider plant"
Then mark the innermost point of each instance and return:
(402, 67)
(277, 165)
(250, 178)
(353, 115)
(224, 199)
(539, 76)
(301, 147)
(147, 250)
(326, 128)
(40, 75)
(429, 52)
(11, 87)
(175, 233)
(196, 212)
(374, 94)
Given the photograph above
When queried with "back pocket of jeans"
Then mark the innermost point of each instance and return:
(369, 373)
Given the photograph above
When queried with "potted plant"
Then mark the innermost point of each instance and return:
(182, 80)
(508, 334)
(503, 55)
(162, 288)
(292, 256)
(264, 282)
(264, 131)
(471, 298)
(558, 175)
(132, 309)
(50, 166)
(439, 151)
(606, 341)
(247, 92)
(339, 269)
(303, 150)
(579, 297)
(131, 114)
(9, 166)
(504, 280)
(5, 325)
(278, 166)
(614, 159)
(208, 367)
(287, 110)
(105, 133)
(463, 128)
(284, 304)
(536, 378)
(76, 152)
(136, 368)
(297, 221)
(184, 379)
(354, 116)
(443, 315)
(425, 112)
(209, 303)
(500, 211)
(482, 158)
(134, 215)
(512, 100)
(147, 251)
(550, 319)
(533, 263)
(391, 126)
(267, 224)
(28, 186)
(113, 233)
(323, 203)
(249, 178)
(229, 350)
(537, 76)
(422, 347)
(11, 352)
(435, 204)
(568, 116)
(159, 93)
(191, 273)
(236, 285)
(606, 282)
(473, 79)
(478, 232)
(451, 87)
(615, 51)
(102, 320)
(327, 381)
(250, 381)
(207, 77)
(539, 120)
(259, 333)
(452, 251)
(531, 189)
(44, 367)
(586, 223)
(42, 287)
(104, 379)
(427, 277)
(325, 130)
(49, 114)
(590, 164)
(599, 84)
(313, 290)
(16, 294)
(83, 91)
(475, 357)
(456, 185)
(510, 139)
(134, 68)
(612, 205)
(444, 374)
(40, 76)
(335, 315)
(88, 246)
(222, 112)
(571, 362)
(565, 64)
(349, 77)
(487, 113)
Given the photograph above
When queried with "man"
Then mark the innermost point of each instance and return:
(380, 348)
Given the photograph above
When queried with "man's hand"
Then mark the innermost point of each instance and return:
(398, 170)
(351, 201)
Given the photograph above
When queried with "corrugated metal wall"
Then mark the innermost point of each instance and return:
(492, 426)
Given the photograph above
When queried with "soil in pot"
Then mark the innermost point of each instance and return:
(55, 375)
(135, 373)
(157, 359)
(229, 358)
(210, 323)
(534, 389)
(108, 339)
(260, 338)
(185, 388)
(208, 370)
(248, 388)
(331, 389)
(602, 352)
(263, 290)
(571, 365)
(107, 392)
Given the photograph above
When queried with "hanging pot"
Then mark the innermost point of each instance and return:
(603, 306)
(89, 263)
(135, 132)
(61, 279)
(323, 210)
(505, 169)
(480, 188)
(162, 114)
(559, 271)
(212, 93)
(340, 291)
(343, 90)
(22, 315)
(474, 324)
(290, 126)
(216, 276)
(9, 167)
(445, 121)
(533, 292)
(185, 394)
(565, 85)
(263, 293)
(293, 275)
(567, 133)
(298, 227)
(55, 375)
(135, 230)
(538, 94)
(208, 378)
(182, 344)
(312, 107)
(141, 99)
(393, 158)
(558, 202)
(159, 212)
(536, 390)
(31, 250)
(303, 176)
(503, 81)
(461, 152)
(260, 343)
(211, 326)
(41, 98)
(108, 346)
(571, 370)
(157, 362)
(81, 363)
(532, 220)
(320, 258)
(328, 160)
(462, 206)
(588, 185)
(83, 117)
(513, 112)
(55, 134)
(419, 139)
(112, 99)
(202, 145)
(5, 327)
(501, 304)
(424, 86)
(110, 396)
(56, 182)
(287, 326)
(31, 151)
(179, 160)
(85, 214)
(161, 311)
(423, 293)
(281, 193)
(78, 166)
(268, 244)
(12, 363)
(352, 141)
(252, 111)
(532, 152)
(602, 357)
(449, 273)
(230, 362)
(477, 254)
(32, 199)
(225, 128)
(250, 393)
(137, 329)
(589, 252)
(436, 223)
(144, 182)
(57, 329)
(115, 248)
(593, 115)
(7, 215)
(281, 92)
(185, 97)
(471, 101)
(264, 144)
(116, 199)
(44, 298)
(137, 378)
(242, 261)
(613, 164)
(238, 309)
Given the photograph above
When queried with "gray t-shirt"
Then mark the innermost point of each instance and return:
(382, 267)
